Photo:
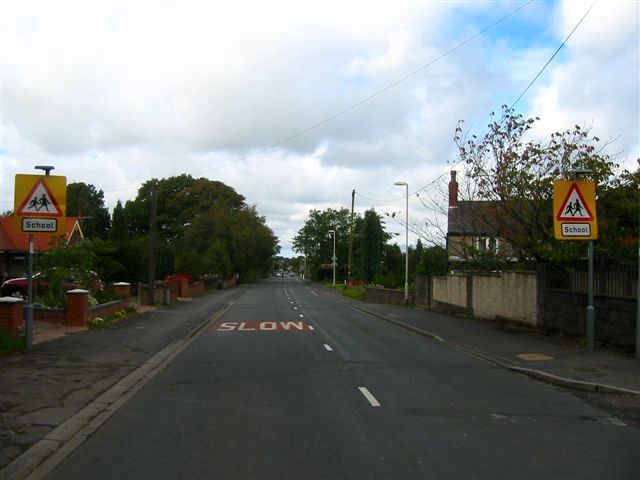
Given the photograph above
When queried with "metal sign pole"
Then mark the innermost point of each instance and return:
(591, 311)
(28, 308)
(638, 304)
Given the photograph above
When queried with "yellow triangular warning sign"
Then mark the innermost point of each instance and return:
(574, 206)
(40, 202)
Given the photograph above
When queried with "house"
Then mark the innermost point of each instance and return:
(14, 245)
(469, 227)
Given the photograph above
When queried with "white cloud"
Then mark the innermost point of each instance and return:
(116, 93)
(597, 83)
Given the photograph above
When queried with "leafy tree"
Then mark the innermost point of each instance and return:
(226, 240)
(64, 262)
(315, 242)
(119, 229)
(180, 199)
(434, 261)
(204, 228)
(617, 211)
(371, 245)
(514, 177)
(87, 203)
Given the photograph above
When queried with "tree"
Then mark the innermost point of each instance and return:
(63, 262)
(434, 261)
(315, 242)
(617, 211)
(119, 230)
(204, 228)
(371, 245)
(87, 203)
(513, 177)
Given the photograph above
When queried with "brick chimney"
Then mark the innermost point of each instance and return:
(453, 190)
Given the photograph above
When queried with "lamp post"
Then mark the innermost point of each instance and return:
(406, 243)
(333, 259)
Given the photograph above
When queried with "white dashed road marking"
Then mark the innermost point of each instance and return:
(370, 398)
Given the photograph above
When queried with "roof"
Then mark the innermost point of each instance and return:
(11, 240)
(469, 218)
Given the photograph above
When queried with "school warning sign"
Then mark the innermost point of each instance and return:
(574, 210)
(40, 203)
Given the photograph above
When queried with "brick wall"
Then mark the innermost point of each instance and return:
(12, 315)
(107, 309)
(51, 315)
(196, 289)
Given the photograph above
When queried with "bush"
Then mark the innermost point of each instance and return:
(10, 343)
(389, 281)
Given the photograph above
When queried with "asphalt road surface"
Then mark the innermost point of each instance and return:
(292, 384)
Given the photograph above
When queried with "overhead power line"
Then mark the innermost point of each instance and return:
(512, 105)
(373, 95)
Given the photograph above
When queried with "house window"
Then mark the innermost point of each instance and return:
(488, 244)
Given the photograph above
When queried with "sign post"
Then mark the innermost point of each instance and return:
(574, 218)
(40, 205)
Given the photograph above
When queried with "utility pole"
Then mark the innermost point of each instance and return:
(638, 303)
(152, 243)
(353, 199)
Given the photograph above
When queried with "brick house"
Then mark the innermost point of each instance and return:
(14, 245)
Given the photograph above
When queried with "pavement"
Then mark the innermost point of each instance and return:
(72, 379)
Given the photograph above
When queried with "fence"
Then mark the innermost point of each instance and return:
(621, 281)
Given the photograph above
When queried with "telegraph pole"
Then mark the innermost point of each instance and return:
(353, 199)
(152, 243)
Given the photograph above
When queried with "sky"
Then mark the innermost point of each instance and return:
(295, 104)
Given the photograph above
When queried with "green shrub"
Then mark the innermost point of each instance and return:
(10, 343)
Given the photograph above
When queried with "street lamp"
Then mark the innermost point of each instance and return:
(406, 243)
(333, 259)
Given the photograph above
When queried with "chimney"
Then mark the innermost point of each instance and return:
(453, 190)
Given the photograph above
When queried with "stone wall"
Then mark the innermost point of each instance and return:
(524, 298)
(386, 295)
(506, 295)
(615, 321)
(449, 293)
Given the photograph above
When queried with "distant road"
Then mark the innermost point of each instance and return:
(292, 384)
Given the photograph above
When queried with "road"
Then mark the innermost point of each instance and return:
(292, 384)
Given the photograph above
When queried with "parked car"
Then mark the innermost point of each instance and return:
(17, 287)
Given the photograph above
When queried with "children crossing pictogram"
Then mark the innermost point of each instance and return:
(40, 202)
(574, 206)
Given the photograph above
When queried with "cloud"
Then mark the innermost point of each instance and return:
(597, 83)
(116, 93)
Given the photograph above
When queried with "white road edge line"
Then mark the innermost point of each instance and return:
(328, 348)
(367, 394)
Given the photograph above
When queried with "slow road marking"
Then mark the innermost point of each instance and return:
(263, 327)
